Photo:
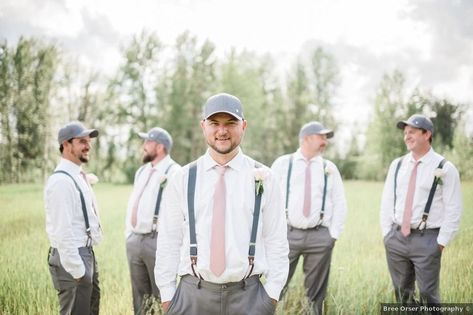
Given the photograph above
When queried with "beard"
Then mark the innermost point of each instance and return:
(225, 150)
(148, 157)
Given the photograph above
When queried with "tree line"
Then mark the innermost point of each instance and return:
(42, 87)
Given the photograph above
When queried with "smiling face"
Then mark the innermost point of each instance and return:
(417, 140)
(223, 133)
(77, 150)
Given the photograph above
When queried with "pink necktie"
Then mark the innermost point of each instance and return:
(134, 213)
(406, 219)
(307, 190)
(217, 241)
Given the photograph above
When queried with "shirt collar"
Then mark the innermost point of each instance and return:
(69, 166)
(236, 163)
(162, 165)
(298, 156)
(427, 158)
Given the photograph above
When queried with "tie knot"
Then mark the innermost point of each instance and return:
(221, 169)
(308, 162)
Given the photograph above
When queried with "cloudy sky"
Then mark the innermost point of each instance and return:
(431, 42)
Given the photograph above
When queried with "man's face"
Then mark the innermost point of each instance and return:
(150, 151)
(77, 151)
(415, 139)
(223, 132)
(316, 144)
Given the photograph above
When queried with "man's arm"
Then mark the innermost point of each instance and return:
(387, 201)
(339, 203)
(452, 202)
(61, 201)
(170, 237)
(275, 238)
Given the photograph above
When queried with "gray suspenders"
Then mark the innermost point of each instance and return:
(422, 225)
(84, 208)
(191, 213)
(288, 181)
(158, 202)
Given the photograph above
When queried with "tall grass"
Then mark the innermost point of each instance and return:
(359, 278)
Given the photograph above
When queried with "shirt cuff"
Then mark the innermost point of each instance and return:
(442, 240)
(167, 293)
(78, 273)
(272, 291)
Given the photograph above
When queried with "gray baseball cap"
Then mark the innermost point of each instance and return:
(314, 128)
(417, 121)
(75, 130)
(223, 103)
(158, 135)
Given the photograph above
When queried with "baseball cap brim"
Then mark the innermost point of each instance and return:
(225, 112)
(329, 133)
(93, 133)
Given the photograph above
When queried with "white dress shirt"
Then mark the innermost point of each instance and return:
(271, 258)
(65, 223)
(447, 203)
(147, 203)
(335, 202)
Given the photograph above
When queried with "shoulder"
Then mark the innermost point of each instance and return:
(59, 182)
(282, 160)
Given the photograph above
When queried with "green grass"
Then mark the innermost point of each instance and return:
(359, 278)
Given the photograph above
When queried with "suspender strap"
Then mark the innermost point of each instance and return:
(288, 182)
(254, 228)
(158, 200)
(398, 166)
(425, 215)
(322, 210)
(190, 208)
(84, 208)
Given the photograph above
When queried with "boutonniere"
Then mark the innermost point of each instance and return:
(327, 170)
(439, 174)
(163, 181)
(92, 179)
(260, 175)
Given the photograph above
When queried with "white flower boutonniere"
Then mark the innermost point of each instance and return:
(439, 174)
(260, 175)
(92, 179)
(163, 181)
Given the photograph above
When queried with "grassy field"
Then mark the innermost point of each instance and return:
(359, 278)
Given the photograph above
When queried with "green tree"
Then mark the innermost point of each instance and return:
(383, 141)
(188, 83)
(28, 70)
(130, 103)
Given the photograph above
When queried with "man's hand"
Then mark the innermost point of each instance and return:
(165, 306)
(441, 247)
(275, 302)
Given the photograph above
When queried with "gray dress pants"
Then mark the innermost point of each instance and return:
(199, 297)
(76, 297)
(414, 258)
(141, 254)
(315, 245)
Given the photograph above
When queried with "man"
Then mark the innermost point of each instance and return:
(415, 228)
(144, 206)
(72, 224)
(223, 226)
(316, 209)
